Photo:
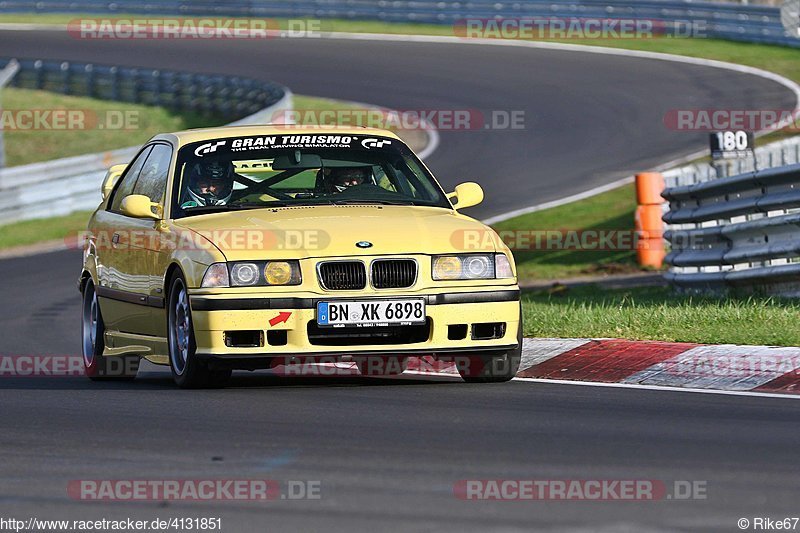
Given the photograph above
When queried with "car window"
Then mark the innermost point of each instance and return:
(126, 185)
(287, 170)
(152, 180)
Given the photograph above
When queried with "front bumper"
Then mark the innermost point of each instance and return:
(215, 316)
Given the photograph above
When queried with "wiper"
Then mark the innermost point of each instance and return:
(232, 207)
(255, 205)
(378, 202)
(212, 208)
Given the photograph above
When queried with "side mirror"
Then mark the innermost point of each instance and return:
(111, 179)
(139, 206)
(466, 195)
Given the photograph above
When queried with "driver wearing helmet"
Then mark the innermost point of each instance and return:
(210, 183)
(342, 178)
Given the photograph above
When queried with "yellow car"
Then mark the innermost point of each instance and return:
(257, 246)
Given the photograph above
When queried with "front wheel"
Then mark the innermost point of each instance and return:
(187, 370)
(97, 366)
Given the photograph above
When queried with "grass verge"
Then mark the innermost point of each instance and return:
(657, 313)
(609, 214)
(25, 146)
(609, 211)
(42, 230)
(31, 146)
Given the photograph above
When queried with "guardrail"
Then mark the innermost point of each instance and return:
(733, 21)
(63, 186)
(229, 97)
(741, 231)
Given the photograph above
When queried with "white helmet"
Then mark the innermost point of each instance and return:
(211, 181)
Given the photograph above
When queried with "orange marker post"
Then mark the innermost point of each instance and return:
(647, 221)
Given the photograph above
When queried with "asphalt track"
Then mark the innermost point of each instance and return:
(388, 452)
(589, 119)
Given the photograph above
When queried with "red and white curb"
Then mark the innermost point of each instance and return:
(653, 364)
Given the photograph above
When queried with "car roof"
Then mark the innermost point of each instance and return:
(189, 136)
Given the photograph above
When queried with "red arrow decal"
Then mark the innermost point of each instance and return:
(283, 316)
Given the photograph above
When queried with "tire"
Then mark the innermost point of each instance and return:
(97, 366)
(382, 366)
(492, 369)
(187, 370)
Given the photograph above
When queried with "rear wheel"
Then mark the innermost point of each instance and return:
(97, 366)
(382, 366)
(187, 370)
(491, 369)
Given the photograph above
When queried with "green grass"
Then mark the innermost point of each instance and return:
(46, 229)
(34, 145)
(587, 311)
(659, 314)
(783, 60)
(24, 147)
(31, 146)
(612, 210)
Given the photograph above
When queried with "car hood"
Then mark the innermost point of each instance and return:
(326, 231)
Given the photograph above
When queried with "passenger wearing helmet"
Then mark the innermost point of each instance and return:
(341, 179)
(210, 182)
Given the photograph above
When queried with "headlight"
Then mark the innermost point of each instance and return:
(478, 267)
(446, 267)
(471, 266)
(282, 273)
(252, 274)
(216, 276)
(502, 267)
(244, 274)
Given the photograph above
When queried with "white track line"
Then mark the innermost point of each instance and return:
(712, 63)
(426, 126)
(434, 142)
(594, 191)
(756, 394)
(662, 388)
(777, 78)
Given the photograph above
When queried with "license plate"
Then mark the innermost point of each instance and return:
(371, 312)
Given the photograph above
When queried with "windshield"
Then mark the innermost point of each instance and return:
(288, 170)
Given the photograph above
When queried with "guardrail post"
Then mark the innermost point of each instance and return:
(156, 79)
(647, 221)
(6, 75)
(136, 80)
(91, 85)
(38, 66)
(65, 78)
(114, 73)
